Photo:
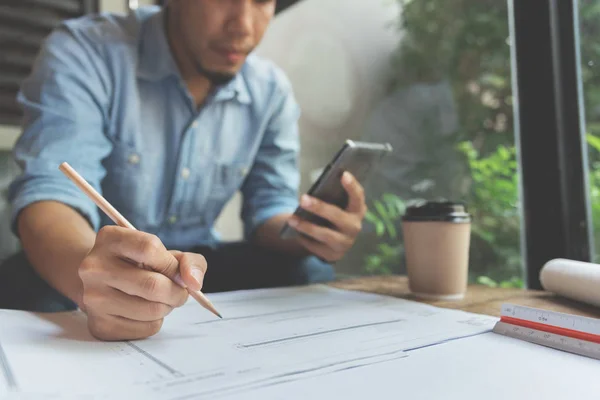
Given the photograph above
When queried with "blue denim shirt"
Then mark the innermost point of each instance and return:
(106, 96)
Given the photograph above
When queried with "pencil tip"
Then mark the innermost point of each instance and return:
(219, 315)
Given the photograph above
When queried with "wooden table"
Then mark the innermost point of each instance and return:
(479, 299)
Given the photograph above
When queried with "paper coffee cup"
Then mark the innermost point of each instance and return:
(437, 239)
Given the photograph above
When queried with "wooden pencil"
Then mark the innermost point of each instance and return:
(120, 220)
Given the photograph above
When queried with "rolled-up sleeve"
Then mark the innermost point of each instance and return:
(63, 101)
(271, 187)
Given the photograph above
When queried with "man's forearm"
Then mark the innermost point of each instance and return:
(267, 235)
(56, 239)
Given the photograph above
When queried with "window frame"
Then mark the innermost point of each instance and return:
(550, 134)
(10, 115)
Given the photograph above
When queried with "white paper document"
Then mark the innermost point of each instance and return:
(266, 337)
(481, 367)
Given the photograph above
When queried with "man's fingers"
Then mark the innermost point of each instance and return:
(320, 250)
(356, 195)
(135, 281)
(338, 217)
(117, 303)
(141, 248)
(345, 222)
(110, 327)
(330, 238)
(192, 268)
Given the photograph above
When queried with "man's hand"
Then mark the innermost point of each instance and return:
(332, 244)
(129, 283)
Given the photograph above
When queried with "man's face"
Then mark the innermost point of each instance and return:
(218, 35)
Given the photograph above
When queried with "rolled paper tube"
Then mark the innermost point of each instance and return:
(576, 280)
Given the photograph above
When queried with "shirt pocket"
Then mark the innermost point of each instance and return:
(127, 183)
(214, 189)
(227, 179)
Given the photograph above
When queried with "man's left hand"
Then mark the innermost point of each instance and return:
(332, 244)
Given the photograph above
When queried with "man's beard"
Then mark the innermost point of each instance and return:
(215, 77)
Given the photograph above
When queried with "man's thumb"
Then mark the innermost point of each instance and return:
(189, 274)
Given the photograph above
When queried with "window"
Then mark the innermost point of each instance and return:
(24, 24)
(449, 115)
(589, 27)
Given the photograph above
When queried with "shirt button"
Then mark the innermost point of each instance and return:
(172, 219)
(244, 171)
(185, 173)
(195, 124)
(133, 159)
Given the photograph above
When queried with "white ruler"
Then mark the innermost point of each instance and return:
(571, 333)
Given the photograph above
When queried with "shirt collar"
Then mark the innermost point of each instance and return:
(156, 61)
(236, 88)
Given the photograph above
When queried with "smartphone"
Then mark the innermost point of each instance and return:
(358, 158)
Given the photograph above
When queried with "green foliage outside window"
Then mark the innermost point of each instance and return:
(467, 43)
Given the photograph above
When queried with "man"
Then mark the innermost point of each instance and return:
(167, 113)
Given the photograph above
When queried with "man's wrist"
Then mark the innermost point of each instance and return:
(267, 235)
